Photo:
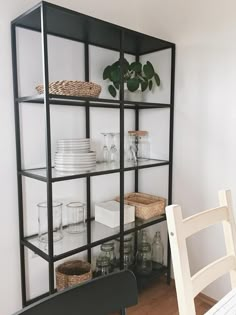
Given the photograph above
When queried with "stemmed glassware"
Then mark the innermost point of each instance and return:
(110, 154)
(114, 153)
(105, 152)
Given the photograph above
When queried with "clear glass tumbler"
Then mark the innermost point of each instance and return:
(43, 221)
(75, 217)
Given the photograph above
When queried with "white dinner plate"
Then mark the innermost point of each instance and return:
(73, 141)
(64, 150)
(77, 164)
(73, 169)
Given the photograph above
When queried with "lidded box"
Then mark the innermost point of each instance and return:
(108, 213)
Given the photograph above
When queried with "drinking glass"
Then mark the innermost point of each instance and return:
(43, 221)
(75, 217)
(114, 153)
(106, 152)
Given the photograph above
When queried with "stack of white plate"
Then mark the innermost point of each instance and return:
(74, 155)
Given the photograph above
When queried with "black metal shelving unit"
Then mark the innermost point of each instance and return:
(50, 19)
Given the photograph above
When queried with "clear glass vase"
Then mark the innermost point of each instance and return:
(75, 217)
(43, 221)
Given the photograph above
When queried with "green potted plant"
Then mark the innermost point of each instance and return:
(136, 76)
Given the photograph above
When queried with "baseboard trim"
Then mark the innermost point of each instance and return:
(206, 299)
(201, 296)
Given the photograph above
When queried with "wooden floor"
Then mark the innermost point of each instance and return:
(160, 299)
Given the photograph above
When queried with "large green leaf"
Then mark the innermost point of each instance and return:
(144, 85)
(148, 70)
(135, 66)
(125, 66)
(157, 79)
(106, 73)
(117, 85)
(112, 90)
(133, 84)
(115, 75)
(150, 85)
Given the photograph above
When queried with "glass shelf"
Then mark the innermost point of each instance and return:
(74, 243)
(93, 102)
(78, 242)
(100, 169)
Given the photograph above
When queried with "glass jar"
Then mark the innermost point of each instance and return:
(144, 259)
(139, 146)
(75, 217)
(103, 266)
(128, 256)
(143, 237)
(157, 251)
(128, 241)
(43, 221)
(108, 250)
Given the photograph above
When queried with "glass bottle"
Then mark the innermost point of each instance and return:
(157, 251)
(144, 259)
(103, 266)
(43, 221)
(108, 250)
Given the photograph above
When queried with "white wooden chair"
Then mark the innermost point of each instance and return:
(188, 286)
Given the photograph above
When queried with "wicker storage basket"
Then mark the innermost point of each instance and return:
(146, 206)
(72, 88)
(71, 273)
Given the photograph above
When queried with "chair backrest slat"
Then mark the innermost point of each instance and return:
(211, 272)
(180, 229)
(204, 219)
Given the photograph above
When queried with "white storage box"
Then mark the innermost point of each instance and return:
(108, 213)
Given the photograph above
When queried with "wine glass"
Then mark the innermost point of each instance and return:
(106, 152)
(114, 153)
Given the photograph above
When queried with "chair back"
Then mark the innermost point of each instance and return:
(180, 229)
(100, 296)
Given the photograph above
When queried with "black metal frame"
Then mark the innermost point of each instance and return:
(120, 104)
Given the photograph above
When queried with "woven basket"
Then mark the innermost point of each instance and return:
(71, 273)
(72, 88)
(146, 206)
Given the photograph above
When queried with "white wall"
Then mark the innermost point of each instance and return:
(204, 140)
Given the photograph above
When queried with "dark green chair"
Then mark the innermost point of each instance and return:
(101, 296)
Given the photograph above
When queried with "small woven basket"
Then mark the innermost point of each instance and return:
(72, 88)
(71, 273)
(146, 206)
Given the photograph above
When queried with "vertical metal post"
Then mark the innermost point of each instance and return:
(122, 150)
(18, 163)
(136, 172)
(171, 135)
(48, 145)
(88, 180)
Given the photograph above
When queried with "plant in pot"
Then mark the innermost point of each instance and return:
(137, 78)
